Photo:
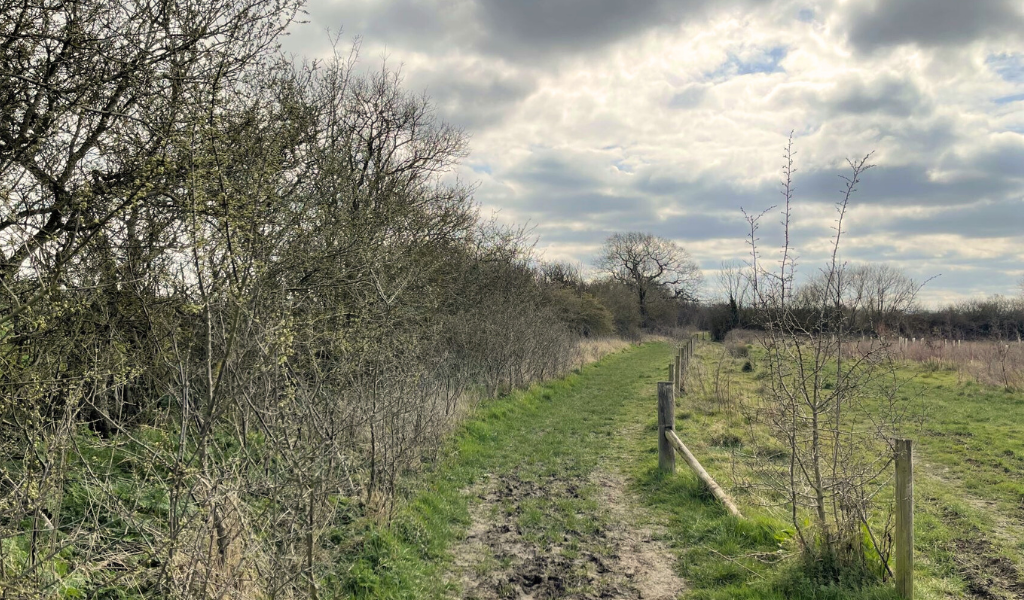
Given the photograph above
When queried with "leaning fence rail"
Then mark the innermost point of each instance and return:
(669, 443)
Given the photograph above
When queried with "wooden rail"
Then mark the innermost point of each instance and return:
(669, 443)
(702, 474)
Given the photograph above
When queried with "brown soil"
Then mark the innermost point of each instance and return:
(621, 559)
(988, 575)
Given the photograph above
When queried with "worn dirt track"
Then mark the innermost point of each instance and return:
(619, 558)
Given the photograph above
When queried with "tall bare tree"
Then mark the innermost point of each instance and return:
(831, 402)
(247, 280)
(93, 97)
(644, 262)
(734, 282)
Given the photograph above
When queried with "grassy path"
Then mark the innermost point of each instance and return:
(551, 513)
(554, 493)
(533, 499)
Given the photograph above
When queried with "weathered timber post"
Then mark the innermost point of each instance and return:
(678, 381)
(684, 366)
(671, 372)
(666, 422)
(681, 361)
(905, 519)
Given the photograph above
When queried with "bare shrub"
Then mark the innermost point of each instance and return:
(830, 402)
(249, 309)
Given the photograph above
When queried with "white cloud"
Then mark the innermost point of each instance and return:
(674, 115)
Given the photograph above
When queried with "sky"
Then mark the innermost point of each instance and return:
(590, 117)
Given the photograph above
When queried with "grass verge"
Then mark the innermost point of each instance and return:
(601, 418)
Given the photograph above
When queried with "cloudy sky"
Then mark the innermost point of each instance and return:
(588, 117)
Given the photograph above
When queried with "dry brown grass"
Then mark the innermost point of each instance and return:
(594, 349)
(990, 362)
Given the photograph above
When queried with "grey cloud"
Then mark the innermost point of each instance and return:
(886, 94)
(550, 170)
(699, 227)
(559, 187)
(1003, 218)
(690, 97)
(429, 25)
(521, 30)
(471, 94)
(1003, 159)
(532, 28)
(905, 185)
(931, 23)
(540, 26)
(860, 95)
(586, 207)
(559, 193)
(983, 277)
(993, 176)
(705, 192)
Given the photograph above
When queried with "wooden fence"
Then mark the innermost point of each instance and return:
(669, 443)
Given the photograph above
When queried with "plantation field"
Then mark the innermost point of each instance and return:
(969, 463)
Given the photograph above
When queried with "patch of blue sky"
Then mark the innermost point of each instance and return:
(481, 168)
(1008, 66)
(767, 61)
(805, 15)
(1009, 99)
(622, 166)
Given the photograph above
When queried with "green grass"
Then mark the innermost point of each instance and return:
(720, 557)
(550, 439)
(558, 430)
(969, 454)
(603, 418)
(969, 477)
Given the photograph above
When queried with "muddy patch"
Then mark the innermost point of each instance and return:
(988, 575)
(596, 546)
(645, 561)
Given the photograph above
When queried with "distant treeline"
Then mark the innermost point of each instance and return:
(877, 300)
(996, 318)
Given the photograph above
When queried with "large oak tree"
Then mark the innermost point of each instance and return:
(644, 262)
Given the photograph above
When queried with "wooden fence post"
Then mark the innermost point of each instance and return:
(678, 381)
(671, 372)
(905, 519)
(681, 370)
(666, 422)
